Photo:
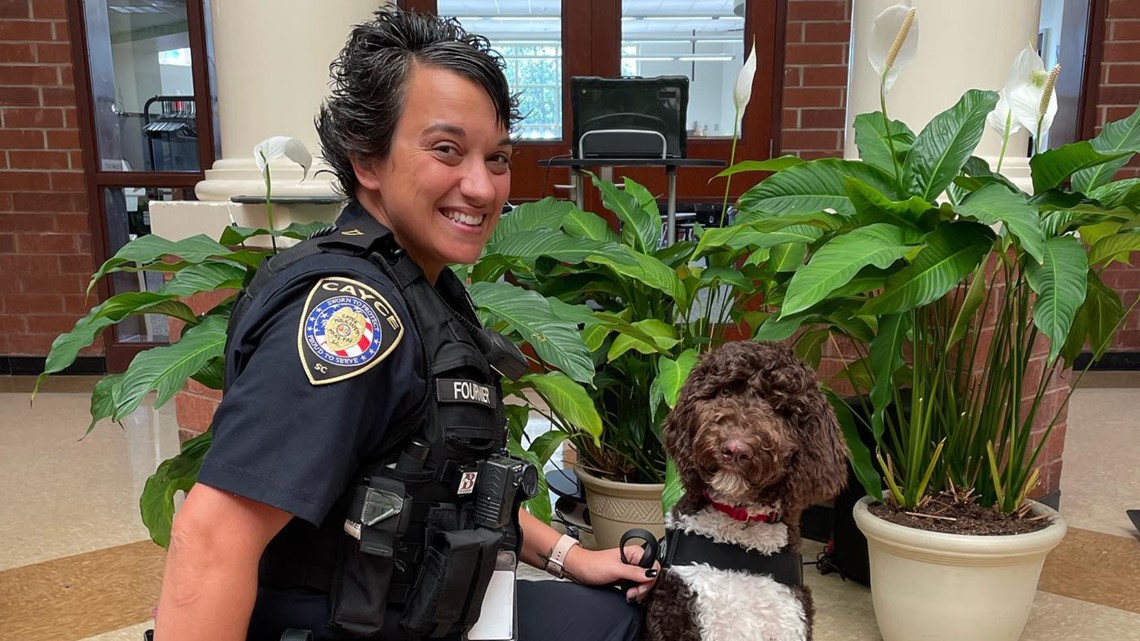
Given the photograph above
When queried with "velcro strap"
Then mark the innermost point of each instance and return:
(682, 548)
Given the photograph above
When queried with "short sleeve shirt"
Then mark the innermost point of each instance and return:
(324, 377)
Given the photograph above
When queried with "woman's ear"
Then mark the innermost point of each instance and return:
(366, 170)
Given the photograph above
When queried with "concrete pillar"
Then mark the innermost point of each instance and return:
(271, 62)
(965, 44)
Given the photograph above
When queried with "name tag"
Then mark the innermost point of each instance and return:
(465, 391)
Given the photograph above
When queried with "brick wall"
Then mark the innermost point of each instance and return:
(815, 77)
(45, 242)
(1119, 93)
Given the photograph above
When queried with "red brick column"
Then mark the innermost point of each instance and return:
(815, 77)
(1117, 96)
(45, 241)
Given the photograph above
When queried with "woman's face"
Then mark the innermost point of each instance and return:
(443, 185)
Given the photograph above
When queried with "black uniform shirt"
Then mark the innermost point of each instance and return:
(325, 370)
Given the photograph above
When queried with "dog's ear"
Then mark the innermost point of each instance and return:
(817, 470)
(680, 426)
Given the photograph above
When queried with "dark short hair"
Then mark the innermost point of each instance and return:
(370, 79)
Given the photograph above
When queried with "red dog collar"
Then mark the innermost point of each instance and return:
(742, 514)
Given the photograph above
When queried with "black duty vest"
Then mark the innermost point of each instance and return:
(422, 528)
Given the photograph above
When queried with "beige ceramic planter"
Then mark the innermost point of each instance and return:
(953, 587)
(616, 507)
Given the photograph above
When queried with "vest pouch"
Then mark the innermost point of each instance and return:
(453, 580)
(366, 560)
(469, 416)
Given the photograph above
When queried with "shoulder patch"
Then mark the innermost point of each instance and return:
(346, 329)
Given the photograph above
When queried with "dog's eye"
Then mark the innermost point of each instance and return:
(724, 392)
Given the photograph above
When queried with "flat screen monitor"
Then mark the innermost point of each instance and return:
(629, 117)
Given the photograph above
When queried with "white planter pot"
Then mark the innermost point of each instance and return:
(932, 586)
(618, 507)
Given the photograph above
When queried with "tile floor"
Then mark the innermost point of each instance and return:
(76, 563)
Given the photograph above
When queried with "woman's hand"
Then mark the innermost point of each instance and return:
(601, 567)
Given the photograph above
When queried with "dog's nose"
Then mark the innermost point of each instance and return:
(735, 449)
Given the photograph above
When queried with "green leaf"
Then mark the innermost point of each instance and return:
(1097, 321)
(872, 206)
(811, 187)
(555, 341)
(1052, 167)
(772, 164)
(641, 229)
(886, 359)
(568, 400)
(1121, 193)
(517, 416)
(1092, 234)
(103, 399)
(809, 347)
(212, 374)
(205, 277)
(871, 139)
(663, 336)
(151, 248)
(65, 348)
(547, 213)
(715, 275)
(942, 148)
(1060, 283)
(779, 329)
(165, 369)
(840, 259)
(787, 257)
(177, 474)
(1121, 136)
(1110, 247)
(546, 444)
(586, 225)
(742, 236)
(994, 204)
(975, 295)
(672, 374)
(236, 234)
(952, 252)
(674, 490)
(857, 452)
(539, 505)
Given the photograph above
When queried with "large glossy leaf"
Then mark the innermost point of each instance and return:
(772, 164)
(754, 235)
(1053, 167)
(812, 187)
(165, 369)
(556, 341)
(857, 452)
(65, 348)
(236, 234)
(586, 225)
(871, 206)
(177, 474)
(840, 259)
(1120, 193)
(952, 252)
(103, 398)
(975, 295)
(568, 401)
(641, 229)
(212, 374)
(942, 148)
(663, 336)
(1114, 246)
(1121, 136)
(205, 277)
(717, 275)
(674, 490)
(886, 359)
(1060, 283)
(547, 213)
(151, 248)
(787, 257)
(874, 148)
(672, 374)
(1097, 321)
(994, 204)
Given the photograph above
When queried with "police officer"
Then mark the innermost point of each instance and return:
(333, 365)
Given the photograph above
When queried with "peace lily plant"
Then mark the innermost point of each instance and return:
(917, 248)
(196, 265)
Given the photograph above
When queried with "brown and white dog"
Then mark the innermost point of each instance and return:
(755, 442)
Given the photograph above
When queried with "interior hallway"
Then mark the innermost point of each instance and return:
(76, 562)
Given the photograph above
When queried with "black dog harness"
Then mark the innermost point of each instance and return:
(682, 548)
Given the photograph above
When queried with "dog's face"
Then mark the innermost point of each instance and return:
(751, 427)
(741, 445)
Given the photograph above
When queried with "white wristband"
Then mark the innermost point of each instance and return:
(556, 565)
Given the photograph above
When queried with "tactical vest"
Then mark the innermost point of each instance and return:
(428, 514)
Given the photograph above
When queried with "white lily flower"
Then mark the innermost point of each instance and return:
(1030, 94)
(742, 92)
(276, 147)
(1001, 115)
(894, 42)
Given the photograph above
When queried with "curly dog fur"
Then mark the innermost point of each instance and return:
(751, 430)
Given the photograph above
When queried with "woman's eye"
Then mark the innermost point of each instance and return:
(447, 149)
(499, 163)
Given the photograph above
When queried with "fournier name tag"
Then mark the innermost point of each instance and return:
(346, 329)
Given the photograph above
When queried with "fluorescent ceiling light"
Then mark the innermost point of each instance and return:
(705, 58)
